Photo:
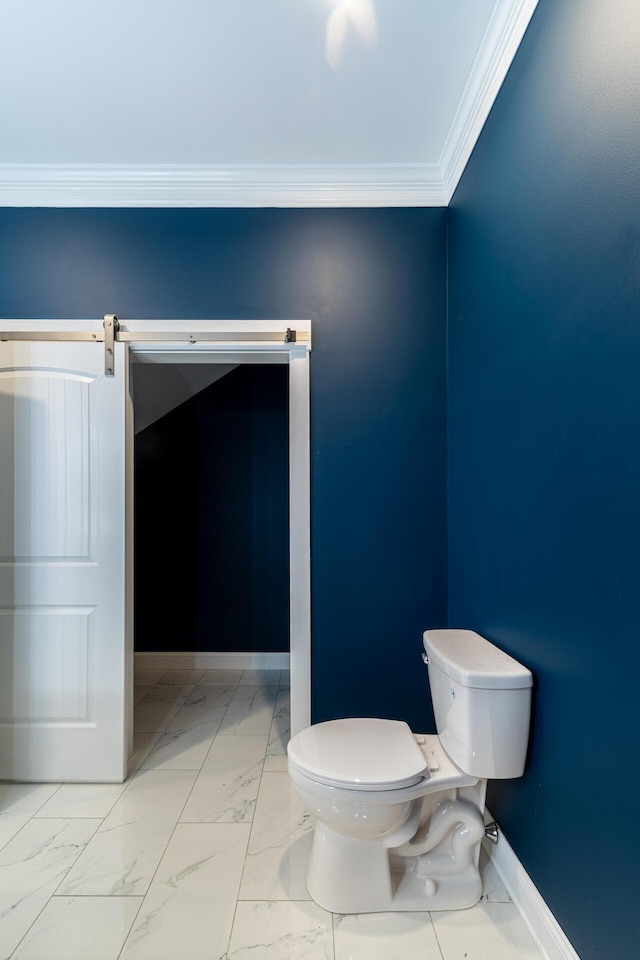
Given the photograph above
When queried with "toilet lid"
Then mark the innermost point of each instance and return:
(362, 753)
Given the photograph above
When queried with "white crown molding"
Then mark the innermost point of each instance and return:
(500, 43)
(543, 926)
(288, 185)
(248, 185)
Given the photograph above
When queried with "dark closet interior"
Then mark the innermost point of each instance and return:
(212, 513)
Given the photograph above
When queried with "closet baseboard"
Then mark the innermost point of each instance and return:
(211, 661)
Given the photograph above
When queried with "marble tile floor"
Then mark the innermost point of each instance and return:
(201, 854)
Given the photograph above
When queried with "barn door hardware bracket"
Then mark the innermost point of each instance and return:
(296, 336)
(111, 327)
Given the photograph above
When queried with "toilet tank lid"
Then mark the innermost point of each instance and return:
(473, 661)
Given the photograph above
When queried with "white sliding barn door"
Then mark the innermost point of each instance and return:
(63, 656)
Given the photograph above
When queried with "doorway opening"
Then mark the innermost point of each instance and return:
(261, 358)
(211, 515)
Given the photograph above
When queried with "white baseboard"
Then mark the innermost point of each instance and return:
(543, 926)
(211, 661)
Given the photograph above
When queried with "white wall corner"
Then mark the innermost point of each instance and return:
(242, 185)
(543, 926)
(500, 43)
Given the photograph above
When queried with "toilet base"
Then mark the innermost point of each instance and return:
(413, 891)
(363, 876)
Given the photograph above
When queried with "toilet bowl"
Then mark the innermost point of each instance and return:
(400, 816)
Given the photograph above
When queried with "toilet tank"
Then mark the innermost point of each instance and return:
(482, 703)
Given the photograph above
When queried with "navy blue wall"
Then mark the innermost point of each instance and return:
(212, 489)
(544, 467)
(373, 283)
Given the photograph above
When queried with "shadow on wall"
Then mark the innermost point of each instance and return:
(212, 519)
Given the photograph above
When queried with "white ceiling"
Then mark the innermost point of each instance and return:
(199, 102)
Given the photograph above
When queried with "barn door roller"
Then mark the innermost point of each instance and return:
(111, 327)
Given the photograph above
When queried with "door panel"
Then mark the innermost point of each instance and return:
(50, 520)
(62, 562)
(43, 663)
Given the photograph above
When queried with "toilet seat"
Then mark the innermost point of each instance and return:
(364, 754)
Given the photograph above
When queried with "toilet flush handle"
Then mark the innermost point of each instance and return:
(425, 659)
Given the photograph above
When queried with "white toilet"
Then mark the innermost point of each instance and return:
(400, 815)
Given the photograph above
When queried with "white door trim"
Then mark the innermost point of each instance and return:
(296, 355)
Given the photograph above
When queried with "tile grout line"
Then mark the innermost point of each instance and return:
(253, 815)
(158, 732)
(31, 816)
(333, 933)
(177, 823)
(130, 777)
(433, 926)
(162, 855)
(225, 955)
(256, 696)
(101, 819)
(196, 770)
(244, 859)
(272, 773)
(49, 899)
(162, 730)
(131, 925)
(58, 788)
(124, 790)
(131, 780)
